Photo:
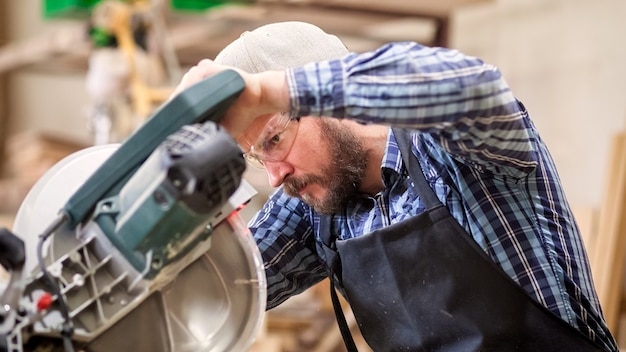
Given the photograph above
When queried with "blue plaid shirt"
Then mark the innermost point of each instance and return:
(480, 153)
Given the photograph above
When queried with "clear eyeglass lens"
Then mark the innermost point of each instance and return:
(253, 159)
(275, 142)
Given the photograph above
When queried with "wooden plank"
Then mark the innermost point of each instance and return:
(68, 41)
(66, 48)
(428, 8)
(586, 218)
(608, 257)
(6, 220)
(4, 111)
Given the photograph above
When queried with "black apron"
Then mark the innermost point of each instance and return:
(424, 285)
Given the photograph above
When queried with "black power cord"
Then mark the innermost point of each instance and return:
(67, 328)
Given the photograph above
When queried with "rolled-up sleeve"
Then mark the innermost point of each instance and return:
(462, 102)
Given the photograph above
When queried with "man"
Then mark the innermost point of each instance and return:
(413, 177)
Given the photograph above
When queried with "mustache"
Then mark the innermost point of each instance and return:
(293, 185)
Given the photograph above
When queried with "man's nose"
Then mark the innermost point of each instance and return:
(277, 171)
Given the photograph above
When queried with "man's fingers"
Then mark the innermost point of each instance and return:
(195, 74)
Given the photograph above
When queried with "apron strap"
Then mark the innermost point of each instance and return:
(333, 264)
(346, 334)
(404, 141)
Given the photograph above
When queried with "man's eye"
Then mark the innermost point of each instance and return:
(274, 141)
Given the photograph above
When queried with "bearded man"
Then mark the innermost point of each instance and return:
(415, 180)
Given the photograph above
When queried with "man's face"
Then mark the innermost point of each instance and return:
(324, 166)
(340, 170)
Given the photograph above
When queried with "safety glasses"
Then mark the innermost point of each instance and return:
(275, 141)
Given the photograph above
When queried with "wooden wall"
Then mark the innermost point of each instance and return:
(3, 101)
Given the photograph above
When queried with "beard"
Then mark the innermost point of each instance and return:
(341, 178)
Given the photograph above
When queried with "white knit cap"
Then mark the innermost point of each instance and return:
(279, 46)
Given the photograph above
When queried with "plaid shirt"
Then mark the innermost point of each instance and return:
(480, 153)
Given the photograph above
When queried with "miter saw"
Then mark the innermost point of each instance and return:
(139, 246)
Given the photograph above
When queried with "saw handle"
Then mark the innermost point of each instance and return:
(12, 258)
(12, 253)
(207, 100)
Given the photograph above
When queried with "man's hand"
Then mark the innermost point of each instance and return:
(264, 93)
(202, 70)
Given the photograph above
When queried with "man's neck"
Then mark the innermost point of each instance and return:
(374, 139)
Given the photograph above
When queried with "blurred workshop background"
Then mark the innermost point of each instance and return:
(84, 72)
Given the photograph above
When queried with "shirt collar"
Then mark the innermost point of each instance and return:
(391, 166)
